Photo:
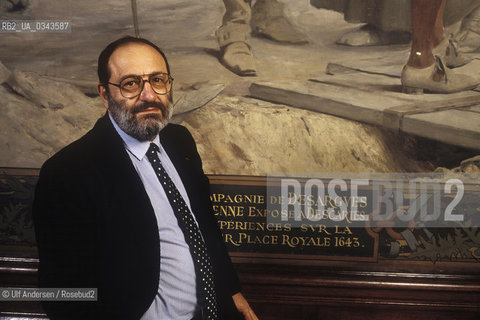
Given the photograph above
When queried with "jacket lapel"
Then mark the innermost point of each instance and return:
(182, 158)
(118, 169)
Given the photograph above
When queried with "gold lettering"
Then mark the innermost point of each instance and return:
(228, 239)
(275, 240)
(230, 211)
(222, 224)
(294, 242)
(321, 201)
(260, 226)
(241, 236)
(217, 197)
(238, 198)
(261, 199)
(346, 230)
(239, 225)
(274, 213)
(274, 227)
(322, 229)
(363, 202)
(346, 200)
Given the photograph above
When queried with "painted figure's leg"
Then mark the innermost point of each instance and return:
(269, 21)
(424, 70)
(427, 31)
(429, 38)
(234, 38)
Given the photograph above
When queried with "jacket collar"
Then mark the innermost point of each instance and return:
(111, 145)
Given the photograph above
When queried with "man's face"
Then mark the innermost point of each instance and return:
(143, 116)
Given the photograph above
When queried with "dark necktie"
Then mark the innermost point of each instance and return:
(198, 250)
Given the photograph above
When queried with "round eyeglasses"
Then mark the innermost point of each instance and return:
(132, 86)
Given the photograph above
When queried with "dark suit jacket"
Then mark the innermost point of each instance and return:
(96, 228)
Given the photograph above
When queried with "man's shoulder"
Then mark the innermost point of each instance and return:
(173, 128)
(177, 133)
(79, 153)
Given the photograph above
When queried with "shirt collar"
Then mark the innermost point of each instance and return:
(136, 147)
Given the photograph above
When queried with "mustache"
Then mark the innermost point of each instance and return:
(145, 105)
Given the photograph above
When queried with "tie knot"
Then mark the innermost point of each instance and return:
(153, 148)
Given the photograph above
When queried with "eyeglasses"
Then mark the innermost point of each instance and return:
(131, 87)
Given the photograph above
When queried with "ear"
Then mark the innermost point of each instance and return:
(102, 92)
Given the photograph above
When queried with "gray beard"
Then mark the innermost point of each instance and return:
(145, 128)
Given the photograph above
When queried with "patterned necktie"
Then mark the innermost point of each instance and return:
(198, 250)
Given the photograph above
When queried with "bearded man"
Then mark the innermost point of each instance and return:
(125, 209)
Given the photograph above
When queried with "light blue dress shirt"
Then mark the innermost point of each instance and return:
(176, 298)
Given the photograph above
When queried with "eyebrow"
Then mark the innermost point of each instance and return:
(141, 75)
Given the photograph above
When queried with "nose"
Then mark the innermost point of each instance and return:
(147, 93)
